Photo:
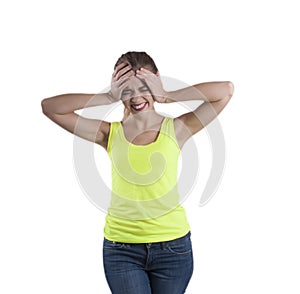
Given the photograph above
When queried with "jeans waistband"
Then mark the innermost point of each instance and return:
(162, 244)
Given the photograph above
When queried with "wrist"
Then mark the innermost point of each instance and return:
(110, 97)
(167, 97)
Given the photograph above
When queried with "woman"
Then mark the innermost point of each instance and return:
(147, 240)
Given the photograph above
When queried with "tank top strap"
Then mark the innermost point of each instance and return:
(112, 130)
(167, 129)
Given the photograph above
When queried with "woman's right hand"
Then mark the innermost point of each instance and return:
(119, 80)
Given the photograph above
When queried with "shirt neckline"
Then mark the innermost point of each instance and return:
(149, 144)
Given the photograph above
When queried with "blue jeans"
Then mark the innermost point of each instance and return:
(148, 268)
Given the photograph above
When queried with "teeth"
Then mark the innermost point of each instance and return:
(139, 106)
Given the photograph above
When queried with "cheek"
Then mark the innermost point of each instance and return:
(126, 99)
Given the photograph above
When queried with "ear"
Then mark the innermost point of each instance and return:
(158, 74)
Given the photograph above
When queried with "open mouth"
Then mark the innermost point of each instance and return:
(140, 106)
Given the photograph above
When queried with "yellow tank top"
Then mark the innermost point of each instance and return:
(144, 206)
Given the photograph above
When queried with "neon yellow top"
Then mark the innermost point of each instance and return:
(144, 206)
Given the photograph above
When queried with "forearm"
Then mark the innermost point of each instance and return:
(66, 103)
(209, 92)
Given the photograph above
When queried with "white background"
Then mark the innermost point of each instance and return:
(246, 239)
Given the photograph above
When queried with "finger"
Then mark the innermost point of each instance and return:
(123, 84)
(120, 75)
(150, 79)
(128, 74)
(119, 84)
(116, 73)
(119, 67)
(145, 75)
(143, 70)
(123, 71)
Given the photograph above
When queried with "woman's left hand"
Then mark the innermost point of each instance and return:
(154, 83)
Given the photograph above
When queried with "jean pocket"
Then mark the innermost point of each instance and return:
(180, 246)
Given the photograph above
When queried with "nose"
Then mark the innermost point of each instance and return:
(137, 99)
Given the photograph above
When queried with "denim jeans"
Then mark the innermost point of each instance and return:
(148, 268)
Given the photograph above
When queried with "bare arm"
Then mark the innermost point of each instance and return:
(61, 109)
(215, 95)
(209, 92)
(66, 103)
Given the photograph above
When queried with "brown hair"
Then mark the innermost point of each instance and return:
(138, 60)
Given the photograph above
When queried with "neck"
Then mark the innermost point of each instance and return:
(145, 119)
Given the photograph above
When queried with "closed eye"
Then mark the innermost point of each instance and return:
(126, 92)
(144, 89)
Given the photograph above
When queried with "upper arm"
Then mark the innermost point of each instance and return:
(192, 122)
(90, 129)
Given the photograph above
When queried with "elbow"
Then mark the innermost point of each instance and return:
(225, 90)
(45, 106)
(230, 89)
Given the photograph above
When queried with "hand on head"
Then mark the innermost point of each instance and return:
(119, 80)
(154, 84)
(122, 78)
